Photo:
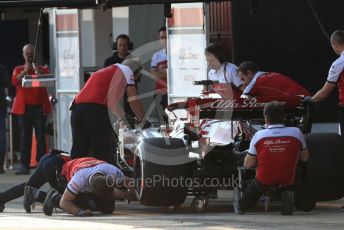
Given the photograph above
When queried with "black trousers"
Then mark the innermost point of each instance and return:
(254, 190)
(3, 138)
(33, 118)
(45, 172)
(92, 132)
(160, 106)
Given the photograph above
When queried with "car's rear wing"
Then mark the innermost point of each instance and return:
(235, 109)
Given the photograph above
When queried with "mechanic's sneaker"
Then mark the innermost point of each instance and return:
(236, 199)
(29, 201)
(49, 205)
(287, 203)
(2, 204)
(2, 207)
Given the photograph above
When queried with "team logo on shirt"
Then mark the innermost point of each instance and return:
(276, 142)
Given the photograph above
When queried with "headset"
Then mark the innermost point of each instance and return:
(123, 36)
(217, 51)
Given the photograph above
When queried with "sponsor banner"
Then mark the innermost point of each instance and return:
(185, 49)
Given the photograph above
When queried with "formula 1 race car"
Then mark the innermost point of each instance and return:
(200, 150)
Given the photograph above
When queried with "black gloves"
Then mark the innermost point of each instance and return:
(308, 101)
(145, 124)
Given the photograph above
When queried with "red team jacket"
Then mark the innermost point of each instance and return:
(29, 96)
(274, 85)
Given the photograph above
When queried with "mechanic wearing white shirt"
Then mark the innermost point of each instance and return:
(275, 151)
(335, 76)
(220, 70)
(88, 175)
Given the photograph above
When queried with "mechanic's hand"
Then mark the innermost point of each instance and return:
(27, 67)
(122, 123)
(84, 213)
(308, 101)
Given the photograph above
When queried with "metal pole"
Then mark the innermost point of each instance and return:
(54, 101)
(11, 139)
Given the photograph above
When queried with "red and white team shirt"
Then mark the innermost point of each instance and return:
(277, 149)
(79, 171)
(274, 85)
(336, 76)
(226, 74)
(159, 61)
(106, 87)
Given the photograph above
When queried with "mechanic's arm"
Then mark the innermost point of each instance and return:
(67, 204)
(250, 161)
(128, 194)
(324, 92)
(135, 102)
(242, 88)
(304, 155)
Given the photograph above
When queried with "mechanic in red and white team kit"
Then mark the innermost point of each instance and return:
(222, 71)
(92, 132)
(335, 77)
(260, 83)
(275, 151)
(94, 178)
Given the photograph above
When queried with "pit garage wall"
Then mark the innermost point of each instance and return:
(285, 37)
(81, 45)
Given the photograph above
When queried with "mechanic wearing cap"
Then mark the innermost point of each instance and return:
(335, 77)
(90, 176)
(258, 83)
(92, 132)
(220, 70)
(275, 151)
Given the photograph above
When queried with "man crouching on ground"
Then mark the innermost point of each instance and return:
(89, 179)
(275, 151)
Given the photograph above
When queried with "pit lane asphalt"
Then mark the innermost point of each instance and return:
(219, 215)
